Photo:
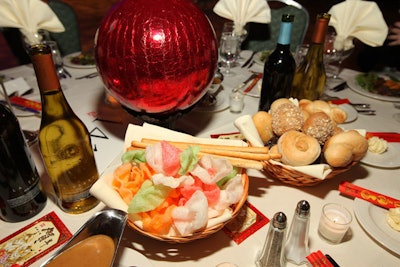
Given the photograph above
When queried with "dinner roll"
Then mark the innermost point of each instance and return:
(320, 126)
(286, 118)
(339, 155)
(356, 143)
(263, 122)
(298, 149)
(274, 106)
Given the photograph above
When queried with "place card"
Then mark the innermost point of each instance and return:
(246, 223)
(32, 242)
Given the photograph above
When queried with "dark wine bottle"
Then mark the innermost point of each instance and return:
(64, 140)
(279, 68)
(310, 77)
(20, 192)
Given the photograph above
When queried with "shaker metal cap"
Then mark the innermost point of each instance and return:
(279, 220)
(303, 208)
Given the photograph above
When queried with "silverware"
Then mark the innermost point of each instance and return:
(88, 76)
(249, 60)
(341, 86)
(366, 111)
(240, 86)
(67, 72)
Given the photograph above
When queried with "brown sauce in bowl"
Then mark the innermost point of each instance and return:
(94, 251)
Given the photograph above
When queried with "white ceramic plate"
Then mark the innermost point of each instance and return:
(222, 103)
(129, 257)
(389, 159)
(352, 83)
(373, 220)
(255, 91)
(258, 57)
(67, 62)
(352, 114)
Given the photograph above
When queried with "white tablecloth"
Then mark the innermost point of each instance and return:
(86, 96)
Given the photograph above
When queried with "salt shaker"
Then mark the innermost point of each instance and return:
(296, 247)
(272, 253)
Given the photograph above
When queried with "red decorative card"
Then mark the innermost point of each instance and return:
(32, 242)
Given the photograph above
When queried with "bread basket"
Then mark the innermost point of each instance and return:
(199, 234)
(296, 178)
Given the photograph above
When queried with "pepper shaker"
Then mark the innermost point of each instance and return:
(296, 247)
(272, 253)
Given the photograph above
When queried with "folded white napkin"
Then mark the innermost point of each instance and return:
(29, 16)
(357, 19)
(243, 11)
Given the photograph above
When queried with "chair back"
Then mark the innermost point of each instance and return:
(68, 41)
(264, 36)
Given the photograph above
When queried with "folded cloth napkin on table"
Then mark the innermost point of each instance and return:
(357, 19)
(29, 16)
(243, 11)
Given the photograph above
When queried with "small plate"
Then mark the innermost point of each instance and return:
(261, 57)
(373, 220)
(67, 62)
(389, 159)
(353, 85)
(127, 257)
(255, 91)
(352, 114)
(222, 103)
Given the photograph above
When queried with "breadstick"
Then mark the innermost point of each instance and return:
(249, 149)
(237, 162)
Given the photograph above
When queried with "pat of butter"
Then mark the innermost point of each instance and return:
(393, 218)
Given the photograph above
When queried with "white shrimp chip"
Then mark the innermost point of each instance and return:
(154, 157)
(210, 170)
(231, 194)
(192, 216)
(173, 182)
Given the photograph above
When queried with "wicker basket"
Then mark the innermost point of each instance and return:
(296, 178)
(203, 233)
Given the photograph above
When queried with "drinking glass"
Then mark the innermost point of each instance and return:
(57, 58)
(229, 51)
(333, 58)
(230, 28)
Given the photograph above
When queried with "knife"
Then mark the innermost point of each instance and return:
(388, 136)
(368, 195)
(240, 86)
(250, 58)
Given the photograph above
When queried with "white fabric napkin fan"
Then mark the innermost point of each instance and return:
(243, 11)
(29, 16)
(357, 19)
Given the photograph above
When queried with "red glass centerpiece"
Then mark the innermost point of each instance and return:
(156, 57)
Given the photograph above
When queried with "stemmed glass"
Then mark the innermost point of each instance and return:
(57, 58)
(230, 28)
(333, 58)
(229, 51)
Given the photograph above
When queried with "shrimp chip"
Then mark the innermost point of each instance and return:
(192, 216)
(210, 170)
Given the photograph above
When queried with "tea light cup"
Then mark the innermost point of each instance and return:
(236, 101)
(334, 222)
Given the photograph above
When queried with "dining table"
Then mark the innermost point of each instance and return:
(368, 242)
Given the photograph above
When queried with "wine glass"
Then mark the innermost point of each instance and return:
(230, 28)
(229, 51)
(57, 58)
(333, 58)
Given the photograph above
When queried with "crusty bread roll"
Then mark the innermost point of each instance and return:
(356, 143)
(338, 115)
(320, 126)
(339, 155)
(274, 106)
(263, 122)
(298, 149)
(287, 117)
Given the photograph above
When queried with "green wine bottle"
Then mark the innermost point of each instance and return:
(310, 77)
(64, 141)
